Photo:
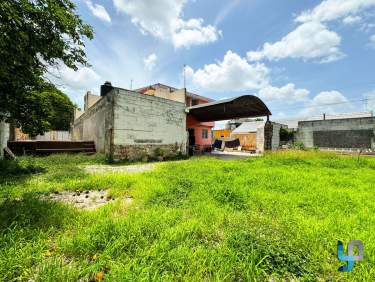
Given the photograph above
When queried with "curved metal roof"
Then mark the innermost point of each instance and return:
(237, 107)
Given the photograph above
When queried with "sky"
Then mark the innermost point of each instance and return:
(302, 58)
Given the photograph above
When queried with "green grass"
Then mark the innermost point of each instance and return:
(275, 218)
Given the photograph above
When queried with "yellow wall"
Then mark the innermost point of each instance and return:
(221, 133)
(248, 141)
(178, 95)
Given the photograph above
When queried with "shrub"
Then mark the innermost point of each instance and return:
(299, 145)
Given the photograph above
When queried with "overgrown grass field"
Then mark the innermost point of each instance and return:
(272, 218)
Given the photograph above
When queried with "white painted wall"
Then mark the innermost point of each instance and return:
(4, 136)
(54, 136)
(94, 124)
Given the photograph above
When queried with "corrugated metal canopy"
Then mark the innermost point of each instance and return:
(237, 107)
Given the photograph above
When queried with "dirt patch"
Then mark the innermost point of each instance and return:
(87, 200)
(119, 169)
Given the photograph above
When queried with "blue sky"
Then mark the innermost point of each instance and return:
(302, 58)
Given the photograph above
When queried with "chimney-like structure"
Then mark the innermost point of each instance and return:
(105, 88)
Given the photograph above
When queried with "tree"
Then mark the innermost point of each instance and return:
(36, 35)
(43, 110)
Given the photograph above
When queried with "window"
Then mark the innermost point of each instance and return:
(204, 133)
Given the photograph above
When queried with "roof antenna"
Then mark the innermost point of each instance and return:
(131, 84)
(184, 76)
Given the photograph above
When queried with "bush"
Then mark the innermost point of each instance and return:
(286, 135)
(299, 145)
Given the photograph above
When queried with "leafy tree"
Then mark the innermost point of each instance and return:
(286, 135)
(45, 109)
(36, 35)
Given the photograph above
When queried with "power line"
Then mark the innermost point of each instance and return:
(328, 104)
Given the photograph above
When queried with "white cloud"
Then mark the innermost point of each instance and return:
(310, 40)
(372, 41)
(83, 79)
(98, 11)
(74, 83)
(162, 19)
(288, 93)
(191, 32)
(150, 61)
(232, 73)
(330, 10)
(349, 20)
(328, 97)
(329, 102)
(220, 124)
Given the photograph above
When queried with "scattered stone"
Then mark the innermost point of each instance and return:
(89, 201)
(128, 199)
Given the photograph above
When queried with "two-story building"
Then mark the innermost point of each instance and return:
(199, 132)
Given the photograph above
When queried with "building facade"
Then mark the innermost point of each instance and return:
(258, 135)
(200, 134)
(126, 124)
(341, 133)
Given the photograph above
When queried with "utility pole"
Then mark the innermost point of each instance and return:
(365, 104)
(131, 84)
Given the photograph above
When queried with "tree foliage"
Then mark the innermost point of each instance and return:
(44, 109)
(36, 35)
(286, 135)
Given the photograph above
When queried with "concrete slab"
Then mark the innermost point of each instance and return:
(119, 169)
(231, 155)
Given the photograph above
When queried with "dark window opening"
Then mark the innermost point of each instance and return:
(191, 137)
(204, 133)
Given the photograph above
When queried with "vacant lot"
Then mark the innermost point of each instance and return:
(272, 218)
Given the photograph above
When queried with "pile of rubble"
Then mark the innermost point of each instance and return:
(88, 200)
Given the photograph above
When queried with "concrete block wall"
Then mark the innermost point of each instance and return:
(275, 143)
(142, 123)
(95, 124)
(260, 139)
(305, 132)
(268, 138)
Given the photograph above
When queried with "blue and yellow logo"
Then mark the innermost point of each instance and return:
(350, 258)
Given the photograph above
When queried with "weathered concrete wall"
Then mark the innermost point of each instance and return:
(90, 100)
(143, 123)
(268, 137)
(4, 136)
(95, 124)
(77, 113)
(275, 143)
(350, 127)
